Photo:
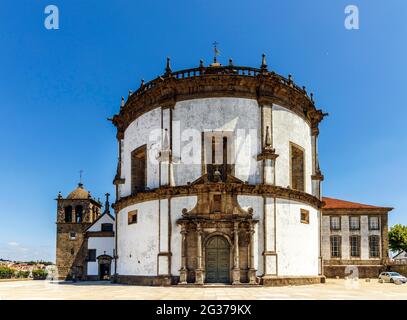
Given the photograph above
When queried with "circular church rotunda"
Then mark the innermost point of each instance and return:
(218, 179)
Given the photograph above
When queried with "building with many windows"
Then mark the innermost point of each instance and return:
(218, 181)
(354, 238)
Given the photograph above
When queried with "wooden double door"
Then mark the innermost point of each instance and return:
(217, 260)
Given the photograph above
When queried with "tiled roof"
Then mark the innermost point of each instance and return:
(331, 203)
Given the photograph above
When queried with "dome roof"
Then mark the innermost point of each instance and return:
(79, 193)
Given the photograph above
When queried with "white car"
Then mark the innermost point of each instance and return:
(392, 277)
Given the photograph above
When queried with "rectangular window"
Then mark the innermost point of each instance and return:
(297, 168)
(335, 223)
(374, 246)
(304, 216)
(218, 150)
(72, 235)
(132, 217)
(217, 203)
(354, 223)
(107, 227)
(354, 246)
(335, 246)
(374, 223)
(138, 169)
(92, 255)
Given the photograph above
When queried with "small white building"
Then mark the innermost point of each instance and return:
(101, 248)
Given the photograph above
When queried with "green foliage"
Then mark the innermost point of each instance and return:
(31, 263)
(6, 273)
(398, 238)
(22, 274)
(39, 274)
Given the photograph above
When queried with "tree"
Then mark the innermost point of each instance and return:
(39, 274)
(398, 238)
(6, 273)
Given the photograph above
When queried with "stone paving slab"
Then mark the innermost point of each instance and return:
(332, 290)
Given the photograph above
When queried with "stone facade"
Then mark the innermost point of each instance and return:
(230, 214)
(362, 259)
(218, 180)
(75, 214)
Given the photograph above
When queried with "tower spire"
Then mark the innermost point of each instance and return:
(80, 184)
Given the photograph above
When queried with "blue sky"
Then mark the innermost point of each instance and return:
(57, 87)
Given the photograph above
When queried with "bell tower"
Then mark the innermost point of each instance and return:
(75, 214)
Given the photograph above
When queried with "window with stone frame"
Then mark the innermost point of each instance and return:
(374, 246)
(374, 223)
(68, 214)
(354, 223)
(354, 242)
(304, 216)
(297, 168)
(218, 149)
(138, 169)
(132, 217)
(92, 255)
(72, 235)
(336, 246)
(335, 223)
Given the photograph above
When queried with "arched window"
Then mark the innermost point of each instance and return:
(297, 168)
(78, 214)
(68, 214)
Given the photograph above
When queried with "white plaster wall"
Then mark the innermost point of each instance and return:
(228, 114)
(97, 225)
(289, 127)
(256, 203)
(177, 204)
(140, 240)
(103, 245)
(136, 135)
(297, 243)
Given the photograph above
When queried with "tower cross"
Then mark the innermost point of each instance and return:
(80, 176)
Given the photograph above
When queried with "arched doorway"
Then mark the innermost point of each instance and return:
(105, 262)
(217, 260)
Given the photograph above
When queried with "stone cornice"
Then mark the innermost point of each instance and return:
(90, 234)
(234, 188)
(224, 81)
(358, 211)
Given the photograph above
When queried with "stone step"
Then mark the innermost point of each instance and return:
(218, 285)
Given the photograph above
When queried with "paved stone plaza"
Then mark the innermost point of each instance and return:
(333, 289)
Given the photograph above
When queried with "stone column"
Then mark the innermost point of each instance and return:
(252, 270)
(199, 276)
(183, 270)
(236, 266)
(317, 176)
